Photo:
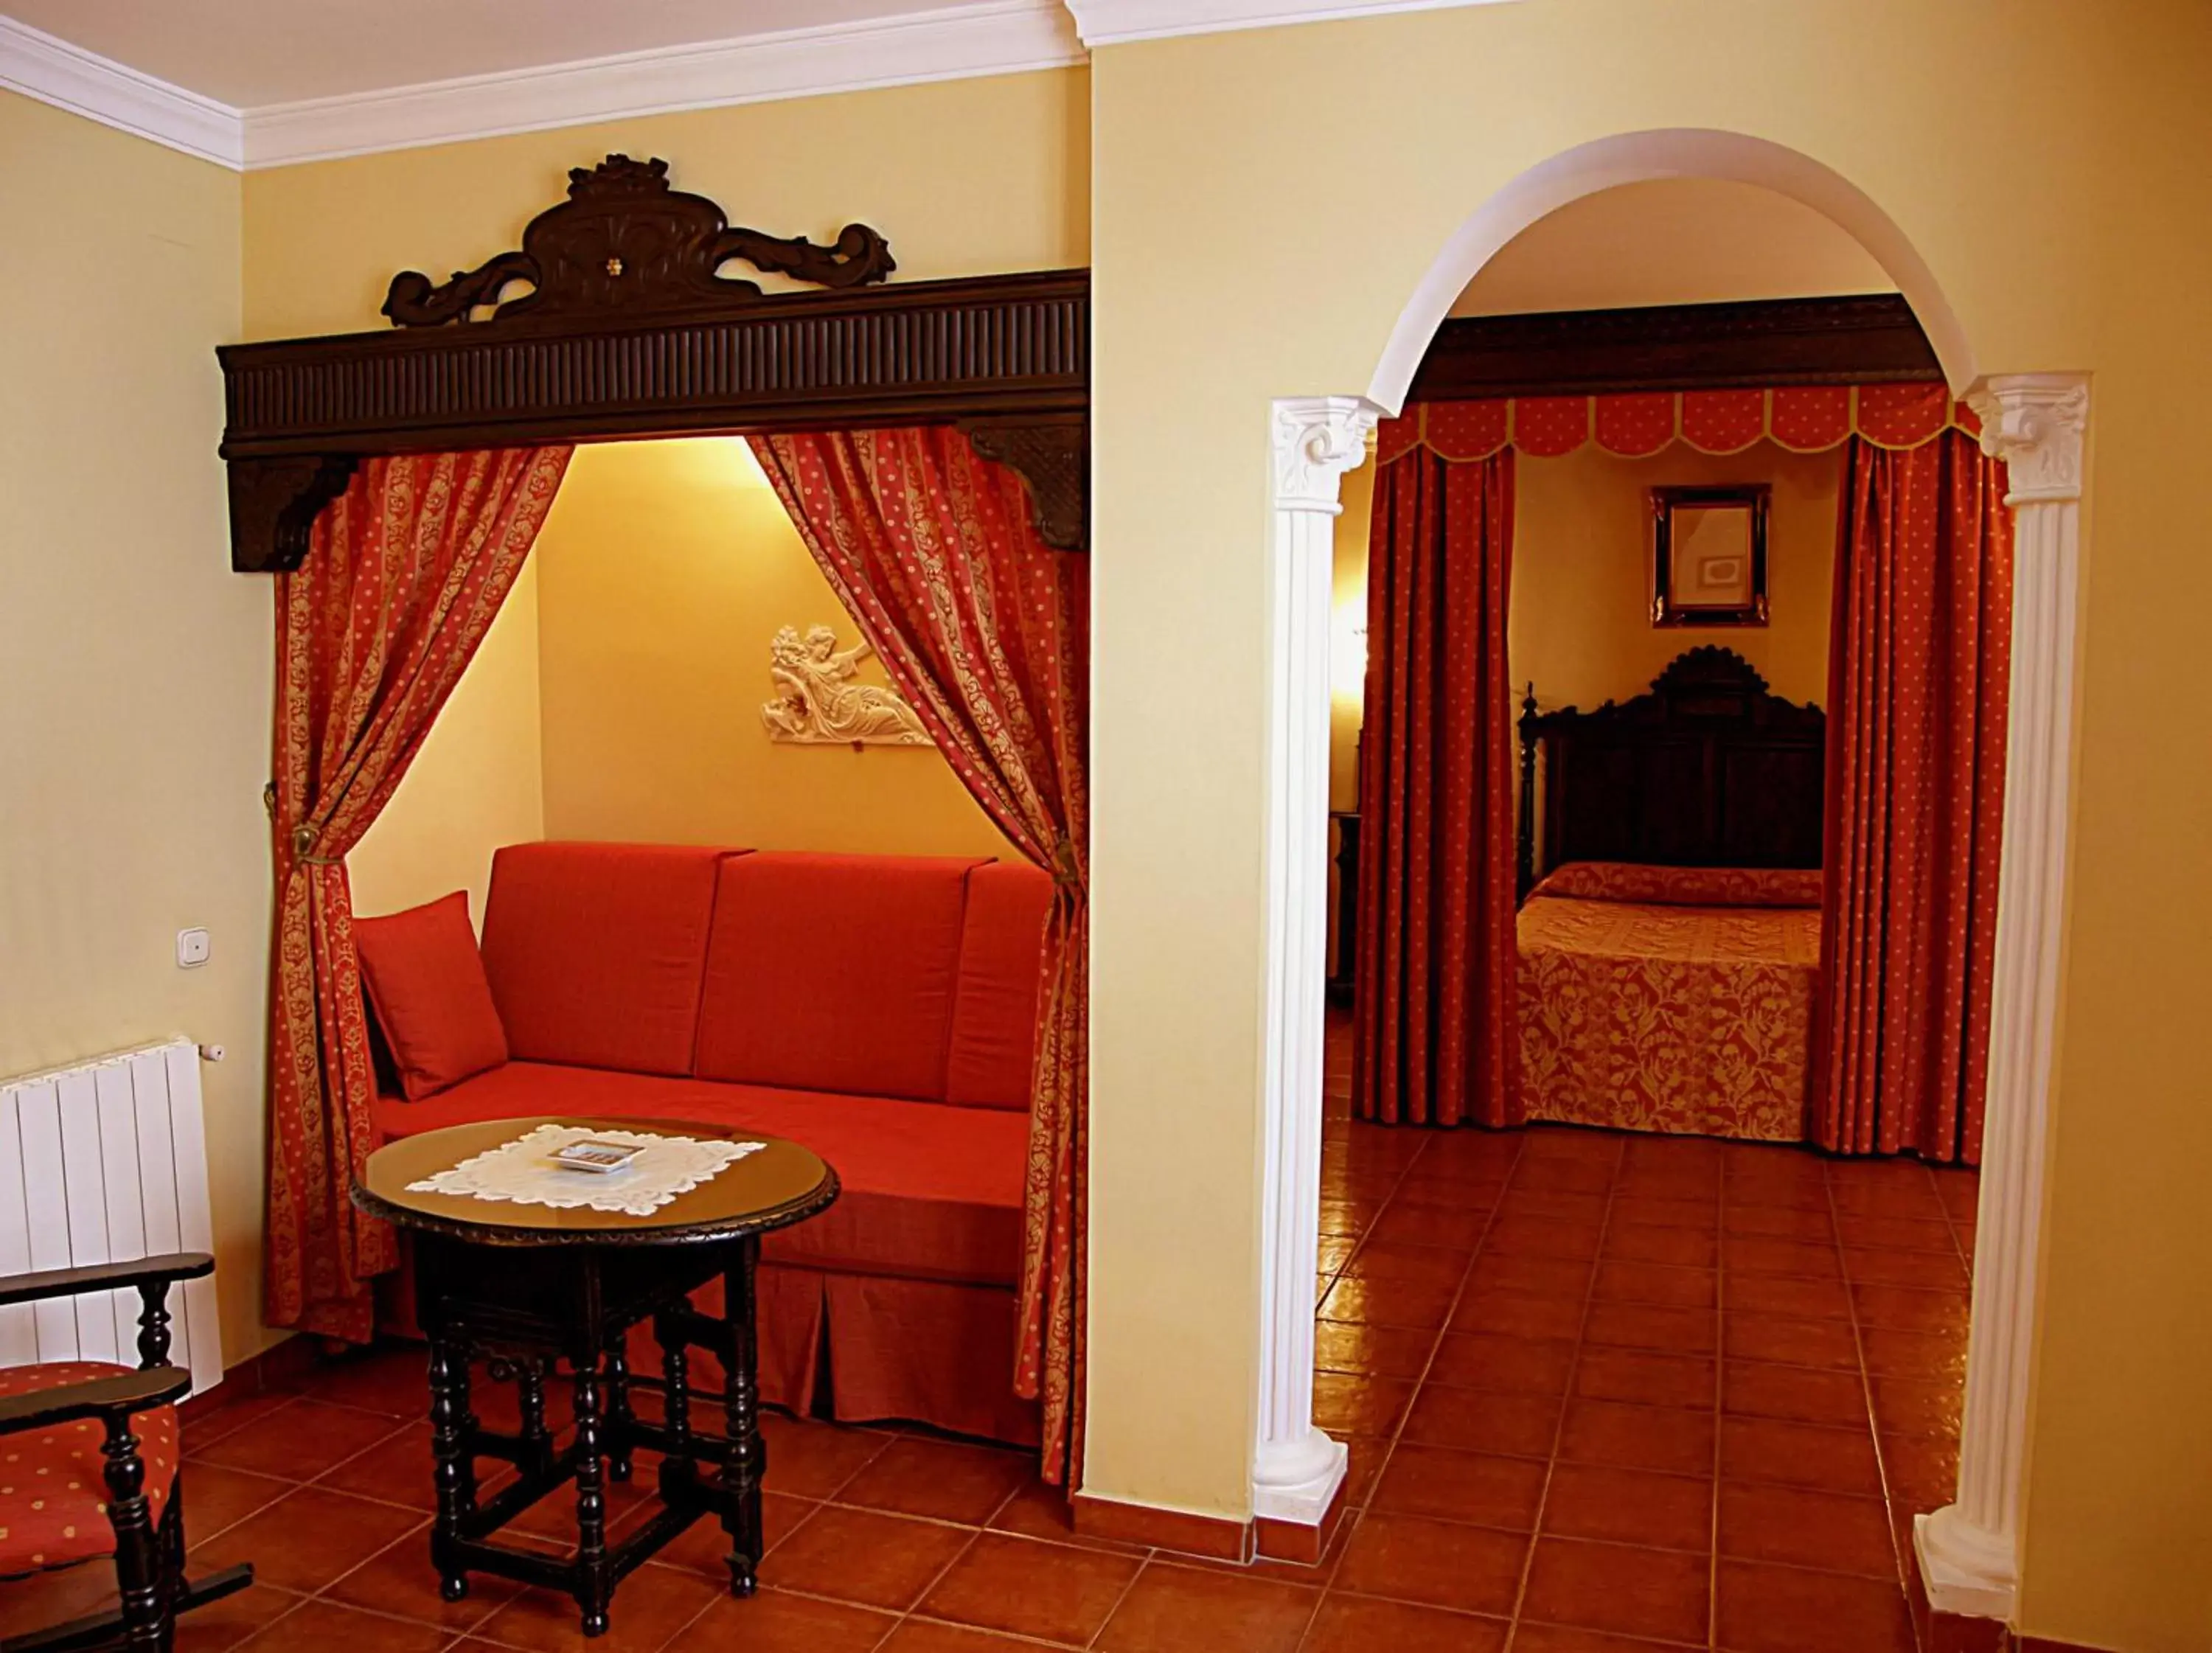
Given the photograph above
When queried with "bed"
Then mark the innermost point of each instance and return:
(1669, 936)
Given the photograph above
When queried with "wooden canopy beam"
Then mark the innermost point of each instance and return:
(629, 330)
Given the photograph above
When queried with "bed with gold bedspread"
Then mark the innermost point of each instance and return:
(1669, 998)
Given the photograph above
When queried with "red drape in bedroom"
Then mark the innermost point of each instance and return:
(1434, 1036)
(402, 579)
(985, 630)
(1917, 695)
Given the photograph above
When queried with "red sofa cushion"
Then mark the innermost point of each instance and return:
(595, 953)
(930, 1192)
(426, 982)
(833, 972)
(994, 1003)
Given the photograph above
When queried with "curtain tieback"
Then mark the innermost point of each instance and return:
(1065, 871)
(303, 841)
(303, 836)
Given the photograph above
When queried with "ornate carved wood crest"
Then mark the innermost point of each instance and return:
(624, 240)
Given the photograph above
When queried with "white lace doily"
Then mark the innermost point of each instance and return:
(523, 1171)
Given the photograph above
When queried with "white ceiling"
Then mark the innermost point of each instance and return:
(250, 53)
(1676, 240)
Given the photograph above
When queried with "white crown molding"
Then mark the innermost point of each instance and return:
(37, 65)
(995, 37)
(1110, 22)
(990, 37)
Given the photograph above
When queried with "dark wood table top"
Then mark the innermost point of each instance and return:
(781, 1184)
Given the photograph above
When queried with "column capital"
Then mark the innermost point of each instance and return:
(1318, 440)
(2034, 422)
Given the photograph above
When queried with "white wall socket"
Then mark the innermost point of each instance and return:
(191, 949)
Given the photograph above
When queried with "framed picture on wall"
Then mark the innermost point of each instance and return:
(1708, 555)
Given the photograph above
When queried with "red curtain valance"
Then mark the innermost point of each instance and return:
(1803, 418)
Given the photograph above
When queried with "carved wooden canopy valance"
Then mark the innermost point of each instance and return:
(628, 327)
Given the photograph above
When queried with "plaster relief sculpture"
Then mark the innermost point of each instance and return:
(819, 703)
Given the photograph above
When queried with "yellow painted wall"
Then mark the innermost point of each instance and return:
(2045, 159)
(134, 665)
(478, 780)
(666, 568)
(1580, 624)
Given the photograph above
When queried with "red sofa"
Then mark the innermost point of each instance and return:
(880, 1009)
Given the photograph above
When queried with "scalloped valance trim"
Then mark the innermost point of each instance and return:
(1802, 418)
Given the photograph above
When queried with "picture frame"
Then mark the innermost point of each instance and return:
(1708, 555)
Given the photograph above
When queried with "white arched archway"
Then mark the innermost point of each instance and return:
(1638, 157)
(1968, 1550)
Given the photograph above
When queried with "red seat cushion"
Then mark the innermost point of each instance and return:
(930, 1192)
(53, 1502)
(833, 972)
(994, 1004)
(595, 951)
(426, 980)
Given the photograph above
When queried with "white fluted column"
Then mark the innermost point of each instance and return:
(1969, 1550)
(1296, 1469)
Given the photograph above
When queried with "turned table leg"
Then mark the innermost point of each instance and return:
(451, 1427)
(594, 1575)
(621, 1441)
(679, 1474)
(529, 1374)
(748, 1457)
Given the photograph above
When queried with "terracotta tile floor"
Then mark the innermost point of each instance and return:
(1609, 1392)
(1604, 1394)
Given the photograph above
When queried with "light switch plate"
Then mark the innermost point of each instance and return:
(191, 949)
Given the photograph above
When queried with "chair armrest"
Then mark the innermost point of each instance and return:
(96, 1397)
(103, 1277)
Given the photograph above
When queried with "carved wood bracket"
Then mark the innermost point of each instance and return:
(274, 503)
(1052, 456)
(623, 240)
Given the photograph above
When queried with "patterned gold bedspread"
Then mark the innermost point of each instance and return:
(1642, 1014)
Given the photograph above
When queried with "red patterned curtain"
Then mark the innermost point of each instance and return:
(402, 580)
(1917, 694)
(986, 631)
(1434, 1039)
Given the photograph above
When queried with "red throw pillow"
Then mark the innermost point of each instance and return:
(427, 981)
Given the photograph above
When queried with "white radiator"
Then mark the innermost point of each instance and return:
(106, 1162)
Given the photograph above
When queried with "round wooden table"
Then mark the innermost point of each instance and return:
(524, 1286)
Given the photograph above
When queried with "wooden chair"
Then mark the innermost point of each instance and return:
(89, 1459)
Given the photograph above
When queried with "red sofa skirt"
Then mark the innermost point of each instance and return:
(865, 1348)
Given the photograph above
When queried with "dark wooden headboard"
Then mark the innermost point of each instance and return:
(1709, 769)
